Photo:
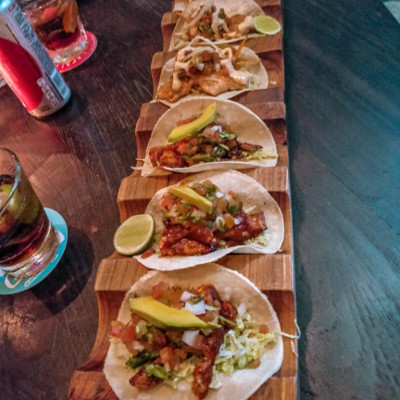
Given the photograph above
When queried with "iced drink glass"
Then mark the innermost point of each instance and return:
(57, 24)
(28, 241)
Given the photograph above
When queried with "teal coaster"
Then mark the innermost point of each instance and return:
(10, 285)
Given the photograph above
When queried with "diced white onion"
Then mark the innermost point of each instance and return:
(186, 296)
(206, 7)
(141, 324)
(236, 221)
(220, 223)
(198, 213)
(216, 128)
(200, 66)
(189, 337)
(218, 195)
(242, 309)
(196, 309)
(137, 345)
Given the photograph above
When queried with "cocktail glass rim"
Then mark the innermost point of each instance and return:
(17, 177)
(35, 5)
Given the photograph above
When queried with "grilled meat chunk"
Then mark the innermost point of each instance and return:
(202, 373)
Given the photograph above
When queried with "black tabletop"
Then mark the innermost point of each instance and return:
(342, 70)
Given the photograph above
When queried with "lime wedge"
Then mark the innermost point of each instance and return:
(134, 235)
(266, 25)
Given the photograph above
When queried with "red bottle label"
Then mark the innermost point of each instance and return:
(22, 72)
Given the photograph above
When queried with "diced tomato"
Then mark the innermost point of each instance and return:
(208, 316)
(116, 327)
(158, 291)
(190, 349)
(148, 253)
(127, 333)
(171, 356)
(263, 328)
(181, 147)
(233, 194)
(254, 364)
(167, 201)
(220, 205)
(173, 296)
(160, 339)
(135, 318)
(198, 342)
(166, 355)
(224, 71)
(180, 353)
(206, 18)
(229, 220)
(207, 56)
(174, 336)
(200, 189)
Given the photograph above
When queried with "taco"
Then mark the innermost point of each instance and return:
(209, 215)
(202, 68)
(213, 134)
(221, 21)
(152, 356)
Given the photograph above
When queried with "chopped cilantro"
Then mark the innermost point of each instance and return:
(196, 299)
(141, 358)
(222, 14)
(231, 208)
(210, 192)
(227, 321)
(157, 370)
(227, 135)
(205, 28)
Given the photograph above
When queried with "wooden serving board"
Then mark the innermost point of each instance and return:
(273, 274)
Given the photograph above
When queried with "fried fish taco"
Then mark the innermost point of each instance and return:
(221, 21)
(203, 133)
(203, 68)
(209, 215)
(205, 332)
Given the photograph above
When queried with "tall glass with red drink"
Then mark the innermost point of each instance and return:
(28, 241)
(58, 26)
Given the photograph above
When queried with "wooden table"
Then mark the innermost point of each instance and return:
(342, 62)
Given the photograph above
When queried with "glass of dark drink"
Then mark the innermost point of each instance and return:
(28, 241)
(58, 27)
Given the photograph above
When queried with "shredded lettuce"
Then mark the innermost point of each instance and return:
(258, 155)
(183, 372)
(242, 345)
(261, 240)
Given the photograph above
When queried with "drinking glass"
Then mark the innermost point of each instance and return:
(28, 241)
(58, 27)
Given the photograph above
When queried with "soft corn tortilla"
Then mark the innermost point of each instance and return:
(230, 7)
(243, 122)
(258, 80)
(231, 286)
(255, 199)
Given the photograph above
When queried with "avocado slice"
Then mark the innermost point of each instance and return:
(186, 130)
(192, 197)
(165, 317)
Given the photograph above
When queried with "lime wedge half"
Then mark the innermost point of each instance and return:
(134, 235)
(266, 25)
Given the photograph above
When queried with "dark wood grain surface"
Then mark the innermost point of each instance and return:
(342, 69)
